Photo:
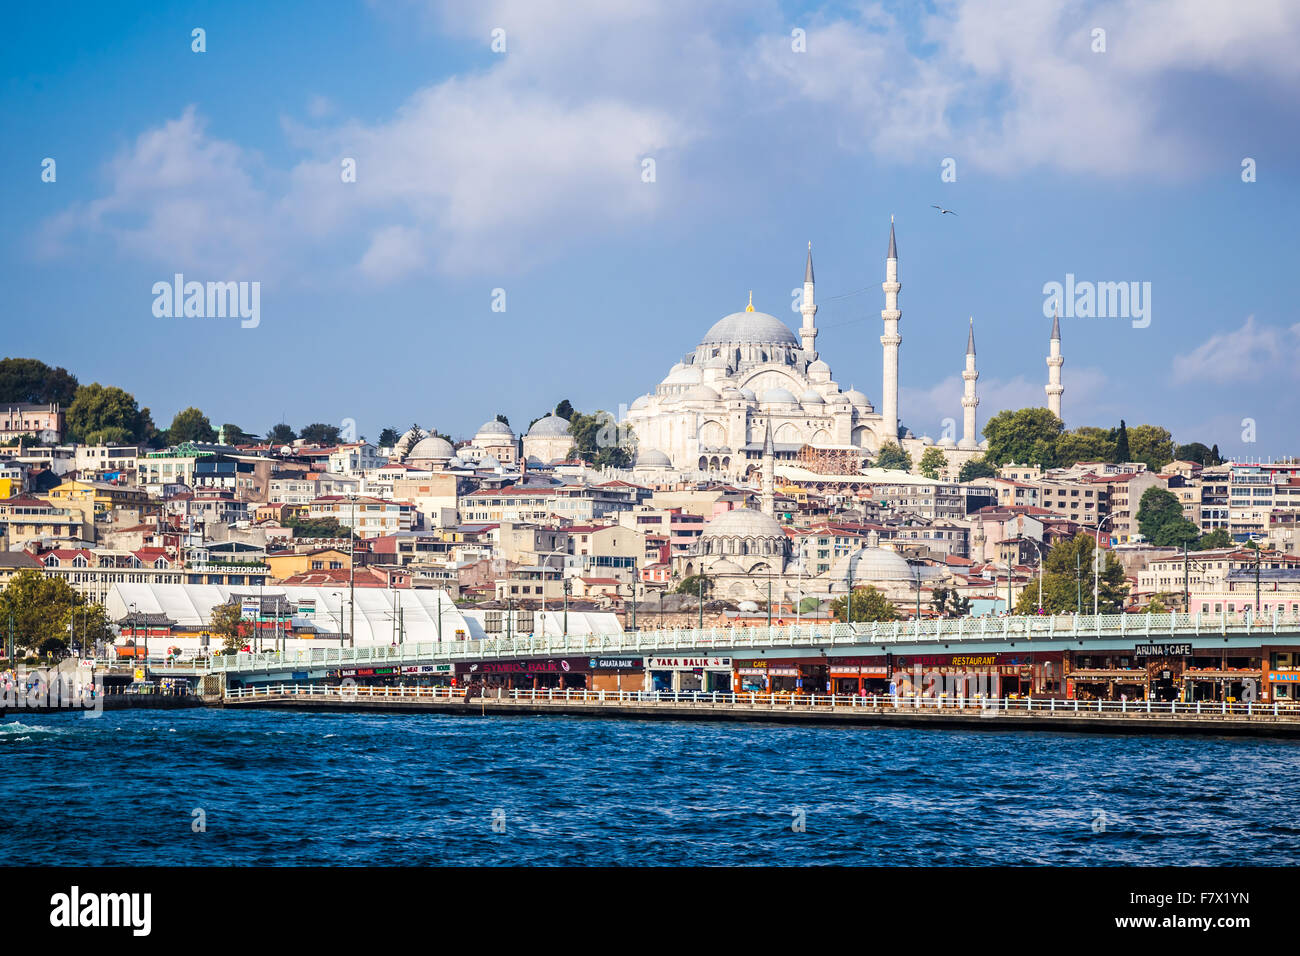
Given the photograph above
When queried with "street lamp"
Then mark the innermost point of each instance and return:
(1096, 565)
(543, 567)
(1038, 548)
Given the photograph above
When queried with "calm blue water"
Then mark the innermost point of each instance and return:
(292, 789)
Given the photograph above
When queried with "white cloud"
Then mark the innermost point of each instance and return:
(1241, 355)
(495, 170)
(177, 197)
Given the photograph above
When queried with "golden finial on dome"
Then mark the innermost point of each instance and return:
(750, 307)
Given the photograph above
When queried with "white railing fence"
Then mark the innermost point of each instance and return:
(1047, 707)
(723, 640)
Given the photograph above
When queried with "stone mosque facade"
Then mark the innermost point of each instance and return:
(752, 374)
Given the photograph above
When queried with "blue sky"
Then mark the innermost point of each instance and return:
(522, 171)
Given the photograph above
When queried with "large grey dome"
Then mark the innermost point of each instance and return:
(432, 448)
(494, 429)
(750, 328)
(878, 564)
(743, 523)
(552, 426)
(652, 458)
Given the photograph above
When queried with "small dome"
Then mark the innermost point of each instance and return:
(701, 393)
(432, 448)
(947, 443)
(725, 567)
(749, 328)
(872, 564)
(489, 461)
(682, 375)
(743, 523)
(494, 429)
(778, 396)
(642, 402)
(552, 426)
(819, 367)
(748, 395)
(456, 463)
(855, 397)
(718, 361)
(652, 458)
(731, 393)
(812, 397)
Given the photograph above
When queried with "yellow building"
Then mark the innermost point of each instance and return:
(289, 563)
(93, 498)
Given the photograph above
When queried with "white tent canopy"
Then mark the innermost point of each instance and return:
(383, 616)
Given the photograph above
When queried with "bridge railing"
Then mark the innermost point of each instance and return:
(729, 639)
(1048, 707)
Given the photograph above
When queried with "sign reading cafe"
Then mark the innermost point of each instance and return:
(1162, 650)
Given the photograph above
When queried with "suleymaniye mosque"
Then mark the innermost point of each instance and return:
(751, 372)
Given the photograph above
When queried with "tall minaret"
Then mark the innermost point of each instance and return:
(1054, 363)
(808, 333)
(890, 340)
(969, 400)
(767, 502)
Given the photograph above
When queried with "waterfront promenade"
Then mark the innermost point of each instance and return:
(1145, 717)
(1049, 632)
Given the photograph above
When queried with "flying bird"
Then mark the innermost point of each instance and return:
(942, 211)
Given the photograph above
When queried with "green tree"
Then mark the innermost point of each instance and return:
(190, 425)
(1026, 437)
(318, 433)
(892, 457)
(227, 626)
(976, 468)
(235, 435)
(694, 584)
(1159, 604)
(565, 410)
(1196, 452)
(868, 605)
(101, 414)
(389, 437)
(1086, 443)
(32, 381)
(281, 434)
(503, 419)
(317, 527)
(947, 602)
(598, 440)
(933, 461)
(1160, 518)
(88, 624)
(1121, 444)
(41, 607)
(1067, 573)
(1151, 444)
(1218, 538)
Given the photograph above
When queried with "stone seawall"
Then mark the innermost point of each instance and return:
(967, 719)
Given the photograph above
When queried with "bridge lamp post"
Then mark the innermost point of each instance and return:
(1096, 566)
(1038, 548)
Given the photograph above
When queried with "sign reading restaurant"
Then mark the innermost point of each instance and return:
(687, 663)
(1162, 650)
